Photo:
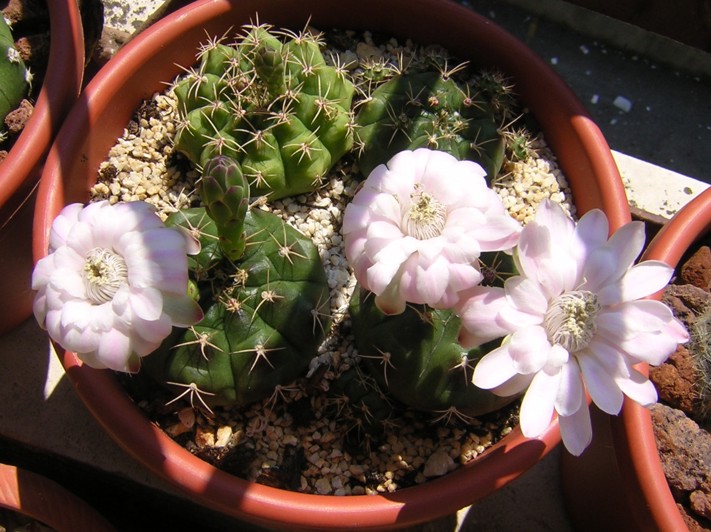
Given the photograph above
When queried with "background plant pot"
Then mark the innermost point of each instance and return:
(40, 498)
(21, 170)
(621, 470)
(142, 67)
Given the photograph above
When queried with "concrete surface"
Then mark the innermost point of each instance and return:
(652, 99)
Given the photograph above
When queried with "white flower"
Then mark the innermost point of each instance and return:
(575, 321)
(415, 230)
(114, 283)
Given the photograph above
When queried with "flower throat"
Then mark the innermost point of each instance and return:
(570, 319)
(104, 273)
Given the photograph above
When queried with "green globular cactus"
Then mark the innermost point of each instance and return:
(275, 107)
(262, 323)
(415, 356)
(14, 77)
(433, 110)
(225, 193)
(416, 359)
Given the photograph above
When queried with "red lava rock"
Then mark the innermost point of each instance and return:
(697, 270)
(685, 452)
(686, 300)
(676, 381)
(15, 120)
(17, 11)
(701, 503)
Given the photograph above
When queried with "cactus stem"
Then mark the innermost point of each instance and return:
(385, 361)
(201, 339)
(193, 391)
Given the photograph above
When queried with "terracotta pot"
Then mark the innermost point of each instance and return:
(138, 70)
(21, 170)
(621, 469)
(44, 500)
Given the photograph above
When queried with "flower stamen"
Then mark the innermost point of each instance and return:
(426, 216)
(104, 273)
(570, 319)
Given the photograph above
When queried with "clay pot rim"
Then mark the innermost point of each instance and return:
(60, 89)
(592, 161)
(40, 498)
(635, 430)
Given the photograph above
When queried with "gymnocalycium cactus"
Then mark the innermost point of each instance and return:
(262, 323)
(14, 77)
(432, 110)
(416, 356)
(275, 107)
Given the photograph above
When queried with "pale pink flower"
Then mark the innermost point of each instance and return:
(114, 283)
(573, 320)
(415, 230)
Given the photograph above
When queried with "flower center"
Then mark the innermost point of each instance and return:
(570, 319)
(104, 273)
(426, 217)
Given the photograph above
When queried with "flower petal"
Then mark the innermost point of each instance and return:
(638, 388)
(576, 431)
(529, 348)
(570, 395)
(147, 303)
(478, 310)
(494, 368)
(640, 281)
(538, 403)
(183, 310)
(600, 384)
